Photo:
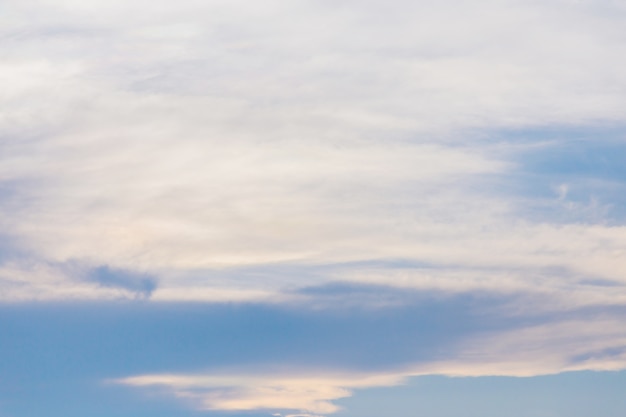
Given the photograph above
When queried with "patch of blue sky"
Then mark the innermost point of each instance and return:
(565, 174)
(117, 339)
(571, 394)
(63, 354)
(75, 397)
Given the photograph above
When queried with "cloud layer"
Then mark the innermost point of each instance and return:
(207, 136)
(324, 157)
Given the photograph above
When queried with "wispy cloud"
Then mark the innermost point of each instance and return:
(301, 394)
(324, 157)
(220, 138)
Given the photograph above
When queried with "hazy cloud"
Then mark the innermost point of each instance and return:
(334, 157)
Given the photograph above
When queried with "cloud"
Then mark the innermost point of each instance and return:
(314, 154)
(207, 138)
(387, 189)
(286, 393)
(142, 285)
(23, 279)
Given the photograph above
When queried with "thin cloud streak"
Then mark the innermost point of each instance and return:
(248, 392)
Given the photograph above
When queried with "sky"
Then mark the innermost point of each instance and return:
(312, 208)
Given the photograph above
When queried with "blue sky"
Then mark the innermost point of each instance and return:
(312, 209)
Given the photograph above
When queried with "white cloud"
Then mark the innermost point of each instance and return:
(594, 343)
(28, 280)
(308, 394)
(189, 136)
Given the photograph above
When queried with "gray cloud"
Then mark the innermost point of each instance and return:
(141, 284)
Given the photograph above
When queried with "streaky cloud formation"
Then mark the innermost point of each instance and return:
(166, 177)
(387, 189)
(248, 392)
